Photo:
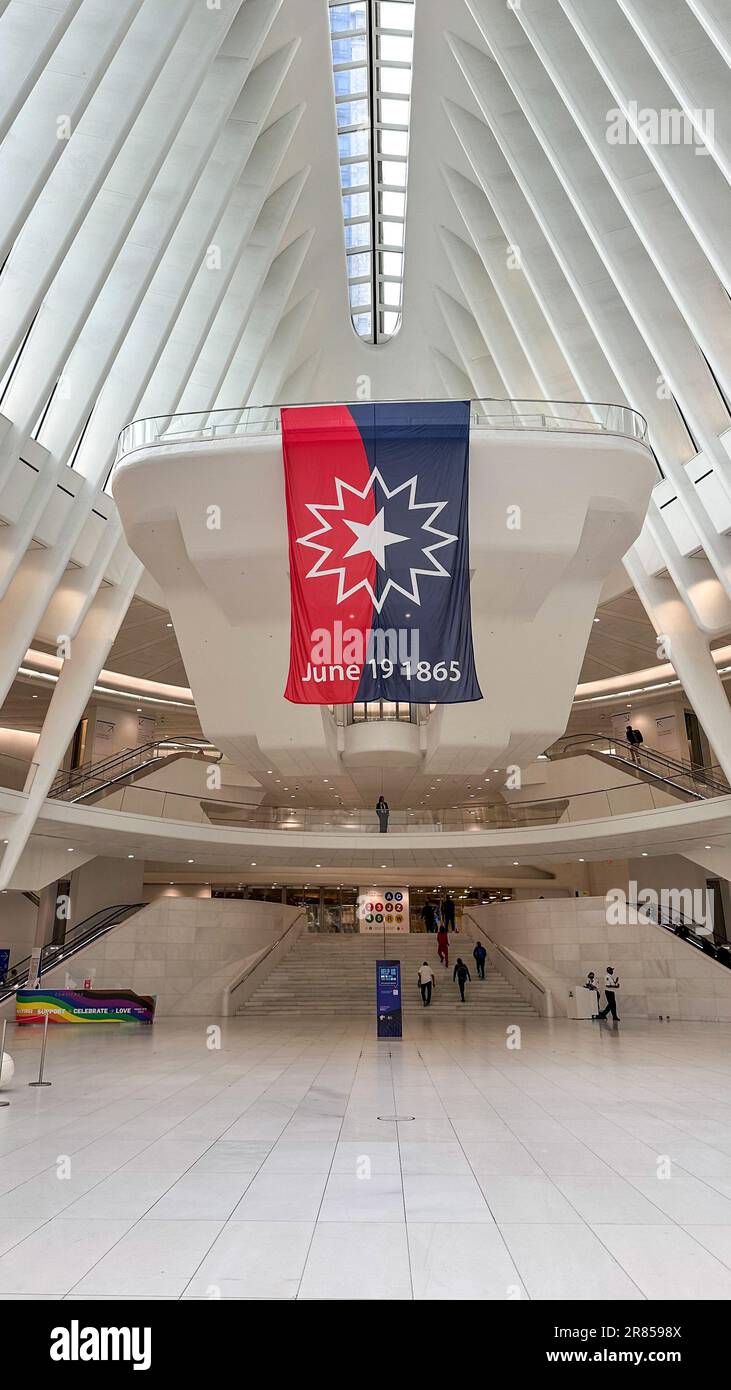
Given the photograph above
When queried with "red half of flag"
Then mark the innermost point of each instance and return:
(326, 475)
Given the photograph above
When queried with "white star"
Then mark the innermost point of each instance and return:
(433, 566)
(372, 536)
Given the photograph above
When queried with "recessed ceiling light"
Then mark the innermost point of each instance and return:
(168, 624)
(191, 861)
(69, 851)
(515, 861)
(383, 866)
(450, 866)
(253, 863)
(596, 620)
(318, 866)
(706, 846)
(130, 856)
(581, 861)
(644, 854)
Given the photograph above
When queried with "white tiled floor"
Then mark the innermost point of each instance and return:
(590, 1163)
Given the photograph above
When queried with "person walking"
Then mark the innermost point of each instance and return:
(611, 985)
(480, 955)
(429, 916)
(634, 739)
(425, 976)
(382, 812)
(448, 913)
(443, 945)
(461, 974)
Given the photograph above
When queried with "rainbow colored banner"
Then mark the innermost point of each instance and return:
(83, 1006)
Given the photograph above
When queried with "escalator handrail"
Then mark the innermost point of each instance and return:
(80, 936)
(697, 772)
(65, 780)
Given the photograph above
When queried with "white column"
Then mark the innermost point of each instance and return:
(689, 653)
(75, 684)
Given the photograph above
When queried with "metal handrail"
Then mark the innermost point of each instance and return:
(145, 754)
(685, 929)
(489, 413)
(497, 946)
(82, 935)
(618, 748)
(266, 952)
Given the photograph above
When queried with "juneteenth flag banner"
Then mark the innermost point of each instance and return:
(378, 518)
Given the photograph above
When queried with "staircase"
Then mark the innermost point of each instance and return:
(330, 974)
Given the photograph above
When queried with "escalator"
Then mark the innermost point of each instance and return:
(92, 781)
(77, 938)
(688, 781)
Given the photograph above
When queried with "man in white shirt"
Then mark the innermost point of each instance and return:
(425, 976)
(611, 985)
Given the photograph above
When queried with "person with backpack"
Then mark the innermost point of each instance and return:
(425, 976)
(480, 955)
(461, 974)
(634, 739)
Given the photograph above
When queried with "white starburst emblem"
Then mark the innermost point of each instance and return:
(372, 537)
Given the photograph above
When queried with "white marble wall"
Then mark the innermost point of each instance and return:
(562, 939)
(187, 951)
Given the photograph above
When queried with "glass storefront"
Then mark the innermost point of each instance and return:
(333, 908)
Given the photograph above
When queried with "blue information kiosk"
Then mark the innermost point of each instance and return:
(388, 998)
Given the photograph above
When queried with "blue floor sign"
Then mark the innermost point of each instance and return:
(388, 998)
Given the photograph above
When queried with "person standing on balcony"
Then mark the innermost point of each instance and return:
(461, 974)
(443, 945)
(425, 976)
(382, 812)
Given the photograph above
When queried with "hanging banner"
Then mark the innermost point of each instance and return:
(378, 513)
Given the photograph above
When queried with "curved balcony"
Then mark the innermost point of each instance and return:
(576, 477)
(574, 417)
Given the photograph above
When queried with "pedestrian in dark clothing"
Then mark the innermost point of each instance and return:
(383, 813)
(429, 916)
(448, 913)
(461, 974)
(480, 955)
(443, 945)
(611, 985)
(634, 739)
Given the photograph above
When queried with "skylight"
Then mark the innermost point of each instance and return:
(372, 50)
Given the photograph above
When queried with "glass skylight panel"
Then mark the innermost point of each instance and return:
(372, 53)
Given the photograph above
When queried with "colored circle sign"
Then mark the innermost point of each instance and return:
(369, 917)
(379, 907)
(379, 917)
(388, 897)
(399, 897)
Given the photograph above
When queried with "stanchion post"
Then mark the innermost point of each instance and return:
(2, 1057)
(40, 1081)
